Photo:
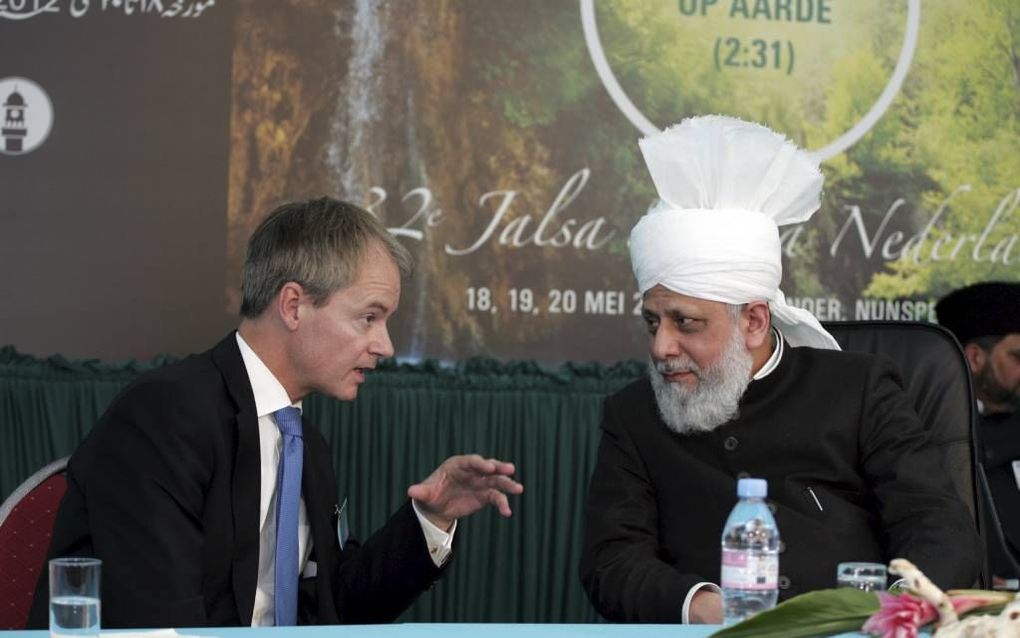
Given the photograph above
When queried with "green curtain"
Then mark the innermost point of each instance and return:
(406, 420)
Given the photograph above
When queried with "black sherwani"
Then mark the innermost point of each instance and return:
(1000, 445)
(837, 423)
(165, 490)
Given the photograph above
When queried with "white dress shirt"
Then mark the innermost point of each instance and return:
(271, 396)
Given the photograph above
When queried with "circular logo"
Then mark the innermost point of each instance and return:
(26, 116)
(833, 148)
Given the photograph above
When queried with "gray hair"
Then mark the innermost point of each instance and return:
(716, 398)
(734, 310)
(318, 244)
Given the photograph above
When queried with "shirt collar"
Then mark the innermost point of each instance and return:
(773, 361)
(270, 395)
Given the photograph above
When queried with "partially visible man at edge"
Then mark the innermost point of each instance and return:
(182, 487)
(741, 384)
(985, 318)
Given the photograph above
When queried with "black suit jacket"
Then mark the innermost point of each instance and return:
(1000, 448)
(165, 490)
(851, 476)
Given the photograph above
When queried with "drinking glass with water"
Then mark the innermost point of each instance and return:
(863, 576)
(74, 597)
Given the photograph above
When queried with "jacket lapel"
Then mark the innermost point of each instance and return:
(246, 481)
(318, 488)
(319, 500)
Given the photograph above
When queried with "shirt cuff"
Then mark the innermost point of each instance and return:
(685, 618)
(440, 543)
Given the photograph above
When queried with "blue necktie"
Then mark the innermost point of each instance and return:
(288, 503)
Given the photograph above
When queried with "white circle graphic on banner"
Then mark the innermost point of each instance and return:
(26, 116)
(833, 148)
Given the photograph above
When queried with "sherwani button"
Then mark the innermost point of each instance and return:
(784, 582)
(731, 443)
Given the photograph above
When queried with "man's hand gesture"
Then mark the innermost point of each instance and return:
(461, 486)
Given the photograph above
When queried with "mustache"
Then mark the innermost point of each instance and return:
(677, 364)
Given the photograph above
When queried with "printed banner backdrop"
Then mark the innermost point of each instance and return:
(498, 140)
(112, 225)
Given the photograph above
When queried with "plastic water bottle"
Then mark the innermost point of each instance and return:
(750, 555)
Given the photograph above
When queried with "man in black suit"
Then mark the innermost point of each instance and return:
(985, 317)
(209, 502)
(741, 384)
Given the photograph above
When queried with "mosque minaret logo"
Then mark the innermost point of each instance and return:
(26, 116)
(13, 130)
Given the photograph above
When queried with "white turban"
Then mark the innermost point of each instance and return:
(725, 186)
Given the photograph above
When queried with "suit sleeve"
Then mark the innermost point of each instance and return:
(140, 482)
(366, 583)
(921, 516)
(380, 579)
(622, 568)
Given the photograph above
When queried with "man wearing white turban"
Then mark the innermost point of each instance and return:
(742, 384)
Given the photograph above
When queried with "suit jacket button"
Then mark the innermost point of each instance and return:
(731, 443)
(784, 582)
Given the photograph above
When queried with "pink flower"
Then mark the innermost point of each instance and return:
(965, 600)
(900, 616)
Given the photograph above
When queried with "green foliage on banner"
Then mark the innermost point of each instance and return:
(961, 114)
(943, 151)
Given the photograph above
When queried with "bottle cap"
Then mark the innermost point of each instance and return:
(752, 487)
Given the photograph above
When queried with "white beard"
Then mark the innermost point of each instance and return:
(714, 400)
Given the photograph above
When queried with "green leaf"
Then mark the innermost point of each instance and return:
(819, 613)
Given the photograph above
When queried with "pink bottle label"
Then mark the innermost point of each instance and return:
(742, 571)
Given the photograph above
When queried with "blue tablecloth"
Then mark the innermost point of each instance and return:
(483, 630)
(438, 630)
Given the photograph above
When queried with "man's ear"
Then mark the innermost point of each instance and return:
(757, 320)
(288, 304)
(976, 357)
